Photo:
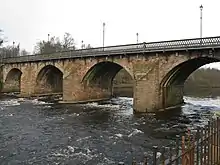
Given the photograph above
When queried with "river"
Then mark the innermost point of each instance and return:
(40, 133)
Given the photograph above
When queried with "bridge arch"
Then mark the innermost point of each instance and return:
(12, 81)
(101, 75)
(172, 84)
(49, 80)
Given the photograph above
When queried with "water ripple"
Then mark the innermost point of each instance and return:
(39, 132)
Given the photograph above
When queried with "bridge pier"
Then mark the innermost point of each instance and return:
(172, 96)
(11, 86)
(74, 91)
(146, 86)
(145, 97)
(87, 94)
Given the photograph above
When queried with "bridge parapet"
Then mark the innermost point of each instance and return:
(173, 45)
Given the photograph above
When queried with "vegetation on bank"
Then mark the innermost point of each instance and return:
(204, 82)
(203, 78)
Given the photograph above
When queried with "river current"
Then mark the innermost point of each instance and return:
(40, 133)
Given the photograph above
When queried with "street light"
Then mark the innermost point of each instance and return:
(137, 37)
(13, 51)
(82, 44)
(103, 35)
(201, 8)
(48, 37)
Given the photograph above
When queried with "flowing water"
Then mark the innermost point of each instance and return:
(41, 133)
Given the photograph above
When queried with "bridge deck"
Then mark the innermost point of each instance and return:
(173, 45)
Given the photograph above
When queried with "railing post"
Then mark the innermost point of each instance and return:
(177, 149)
(183, 149)
(155, 155)
(144, 45)
(209, 142)
(201, 147)
(145, 160)
(163, 156)
(198, 144)
(211, 136)
(193, 149)
(205, 145)
(133, 161)
(217, 139)
(214, 144)
(170, 155)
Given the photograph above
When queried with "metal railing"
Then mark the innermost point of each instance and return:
(196, 43)
(199, 148)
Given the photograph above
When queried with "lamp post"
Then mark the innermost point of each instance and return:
(13, 52)
(103, 42)
(82, 44)
(137, 37)
(48, 37)
(201, 8)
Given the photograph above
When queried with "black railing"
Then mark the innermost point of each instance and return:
(199, 148)
(196, 43)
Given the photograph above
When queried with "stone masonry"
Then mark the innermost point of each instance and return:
(158, 77)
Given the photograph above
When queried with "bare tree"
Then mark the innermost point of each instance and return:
(55, 45)
(10, 51)
(68, 42)
(24, 52)
(1, 38)
(88, 46)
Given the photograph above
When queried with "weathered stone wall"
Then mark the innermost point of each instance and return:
(173, 95)
(73, 87)
(11, 86)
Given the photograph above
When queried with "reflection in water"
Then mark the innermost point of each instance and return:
(37, 132)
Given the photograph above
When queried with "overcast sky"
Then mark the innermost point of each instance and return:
(28, 21)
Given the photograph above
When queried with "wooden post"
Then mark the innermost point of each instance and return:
(209, 141)
(201, 147)
(155, 155)
(163, 156)
(198, 144)
(177, 149)
(212, 141)
(183, 149)
(218, 140)
(206, 136)
(145, 160)
(133, 161)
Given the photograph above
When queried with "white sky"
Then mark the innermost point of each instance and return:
(28, 21)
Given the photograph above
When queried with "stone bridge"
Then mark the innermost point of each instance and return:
(159, 70)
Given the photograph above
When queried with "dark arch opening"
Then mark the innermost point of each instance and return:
(123, 84)
(49, 80)
(101, 76)
(13, 81)
(173, 83)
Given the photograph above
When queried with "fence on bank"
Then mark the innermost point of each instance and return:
(201, 147)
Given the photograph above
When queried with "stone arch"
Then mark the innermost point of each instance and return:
(12, 81)
(41, 65)
(49, 80)
(101, 75)
(172, 83)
